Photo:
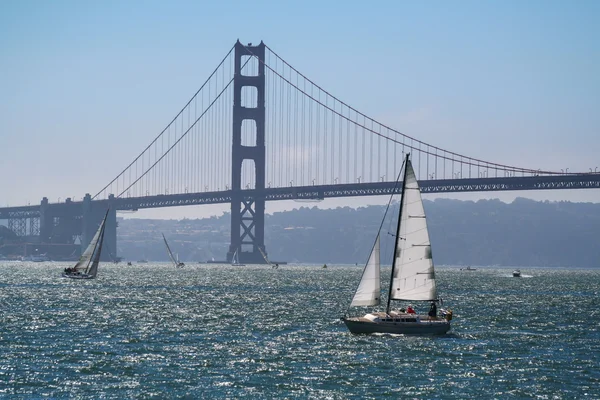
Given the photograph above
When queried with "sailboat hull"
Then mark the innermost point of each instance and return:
(78, 276)
(420, 327)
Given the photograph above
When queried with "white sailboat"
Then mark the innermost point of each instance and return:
(274, 266)
(175, 260)
(235, 261)
(412, 278)
(87, 266)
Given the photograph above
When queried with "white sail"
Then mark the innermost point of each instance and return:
(84, 261)
(176, 262)
(414, 276)
(235, 260)
(93, 266)
(368, 292)
(264, 256)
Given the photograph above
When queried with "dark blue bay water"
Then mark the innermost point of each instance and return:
(208, 331)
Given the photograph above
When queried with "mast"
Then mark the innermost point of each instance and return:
(406, 161)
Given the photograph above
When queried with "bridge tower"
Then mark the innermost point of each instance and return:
(248, 212)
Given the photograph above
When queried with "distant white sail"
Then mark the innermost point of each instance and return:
(235, 260)
(88, 262)
(264, 256)
(176, 262)
(93, 267)
(414, 276)
(368, 292)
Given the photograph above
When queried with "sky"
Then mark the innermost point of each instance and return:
(85, 86)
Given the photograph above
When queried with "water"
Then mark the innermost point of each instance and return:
(207, 331)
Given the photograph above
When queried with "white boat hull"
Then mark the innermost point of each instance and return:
(360, 325)
(78, 276)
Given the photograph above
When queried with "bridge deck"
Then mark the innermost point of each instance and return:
(553, 182)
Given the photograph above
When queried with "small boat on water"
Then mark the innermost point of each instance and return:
(87, 266)
(517, 273)
(468, 269)
(412, 278)
(175, 260)
(235, 261)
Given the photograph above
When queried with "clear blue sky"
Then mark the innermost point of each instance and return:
(84, 86)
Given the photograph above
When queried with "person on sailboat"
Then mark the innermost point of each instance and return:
(432, 310)
(410, 310)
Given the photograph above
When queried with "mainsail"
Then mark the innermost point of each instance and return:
(368, 292)
(176, 262)
(235, 260)
(263, 255)
(413, 273)
(89, 260)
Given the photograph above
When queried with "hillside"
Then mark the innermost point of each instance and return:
(486, 232)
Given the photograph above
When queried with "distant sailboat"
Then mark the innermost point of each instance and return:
(87, 266)
(235, 261)
(412, 278)
(274, 266)
(176, 262)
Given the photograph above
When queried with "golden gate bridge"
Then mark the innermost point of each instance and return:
(259, 130)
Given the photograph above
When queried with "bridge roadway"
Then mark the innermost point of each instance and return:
(566, 181)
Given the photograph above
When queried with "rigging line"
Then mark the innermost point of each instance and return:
(398, 132)
(163, 131)
(178, 140)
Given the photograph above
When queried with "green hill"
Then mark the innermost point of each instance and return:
(486, 232)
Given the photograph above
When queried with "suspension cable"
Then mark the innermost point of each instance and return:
(168, 125)
(472, 161)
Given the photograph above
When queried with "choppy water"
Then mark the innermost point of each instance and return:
(208, 331)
